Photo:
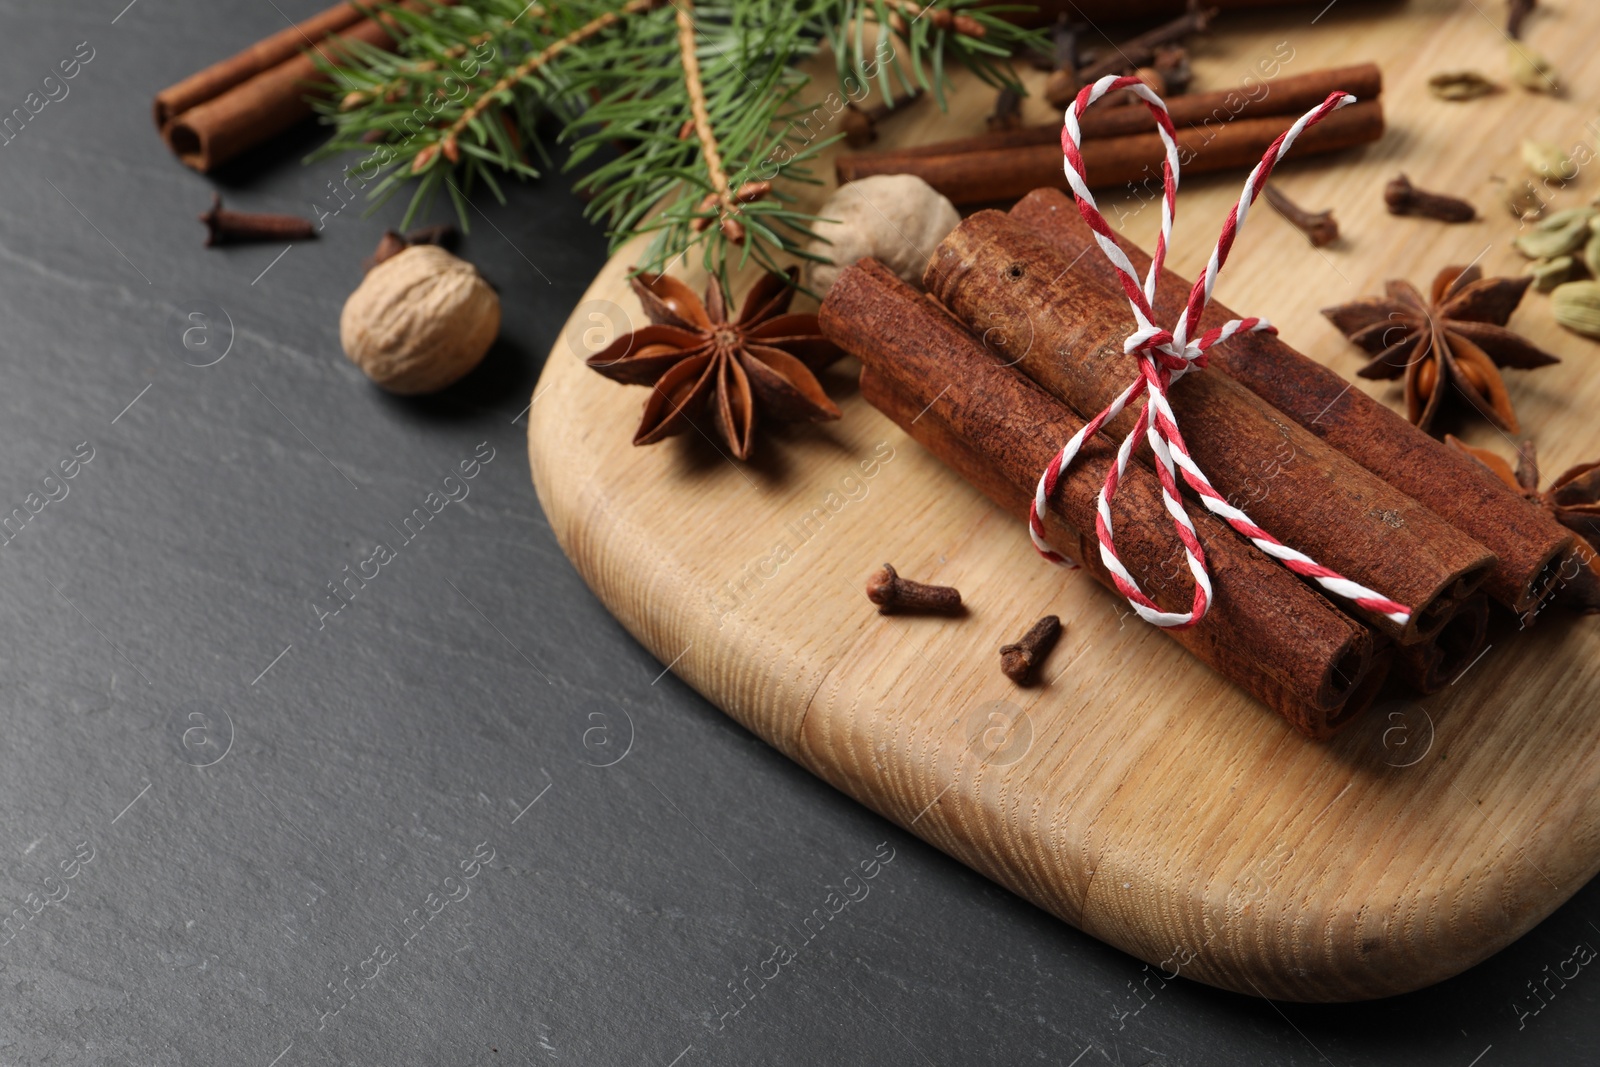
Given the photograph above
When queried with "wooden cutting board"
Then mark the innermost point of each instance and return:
(1137, 795)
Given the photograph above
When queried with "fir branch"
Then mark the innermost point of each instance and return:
(731, 228)
(598, 24)
(689, 121)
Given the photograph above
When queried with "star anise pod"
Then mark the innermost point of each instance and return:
(1572, 499)
(1454, 344)
(695, 357)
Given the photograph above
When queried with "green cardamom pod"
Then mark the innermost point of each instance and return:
(1559, 235)
(1549, 273)
(1531, 70)
(1591, 255)
(1548, 160)
(1461, 85)
(1576, 305)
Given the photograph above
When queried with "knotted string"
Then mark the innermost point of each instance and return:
(1165, 356)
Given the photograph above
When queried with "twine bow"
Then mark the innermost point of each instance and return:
(1165, 356)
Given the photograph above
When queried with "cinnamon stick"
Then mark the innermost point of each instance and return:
(1065, 332)
(262, 56)
(987, 175)
(1529, 544)
(249, 98)
(1267, 632)
(1291, 96)
(1430, 666)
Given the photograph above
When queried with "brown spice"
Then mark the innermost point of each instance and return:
(232, 106)
(1019, 660)
(1436, 663)
(893, 593)
(1528, 543)
(392, 243)
(240, 227)
(1318, 226)
(1573, 500)
(1453, 344)
(1288, 97)
(1063, 83)
(1172, 63)
(860, 124)
(979, 172)
(1065, 331)
(1403, 198)
(1007, 113)
(1517, 11)
(1267, 631)
(1141, 49)
(761, 363)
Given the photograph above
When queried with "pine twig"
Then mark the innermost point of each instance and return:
(731, 227)
(596, 25)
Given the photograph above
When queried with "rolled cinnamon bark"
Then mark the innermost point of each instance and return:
(990, 175)
(1267, 632)
(1291, 96)
(258, 109)
(1065, 332)
(1430, 666)
(1528, 543)
(218, 78)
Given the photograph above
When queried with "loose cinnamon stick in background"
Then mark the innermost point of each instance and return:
(1064, 331)
(1116, 12)
(262, 56)
(988, 175)
(249, 98)
(1267, 632)
(1529, 543)
(1291, 97)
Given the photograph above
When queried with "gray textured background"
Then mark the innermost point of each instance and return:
(161, 614)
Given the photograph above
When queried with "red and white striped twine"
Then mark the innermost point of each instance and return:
(1164, 357)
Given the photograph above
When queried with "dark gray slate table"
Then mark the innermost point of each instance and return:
(231, 836)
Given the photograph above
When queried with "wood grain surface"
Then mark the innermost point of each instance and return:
(1136, 795)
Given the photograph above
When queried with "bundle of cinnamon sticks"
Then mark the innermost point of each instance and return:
(1017, 341)
(231, 106)
(1216, 131)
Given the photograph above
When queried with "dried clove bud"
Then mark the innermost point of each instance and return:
(1172, 63)
(443, 234)
(1062, 86)
(1318, 226)
(238, 227)
(1403, 198)
(391, 243)
(893, 593)
(1018, 661)
(860, 124)
(1007, 113)
(1517, 10)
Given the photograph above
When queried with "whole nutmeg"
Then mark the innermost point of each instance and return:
(897, 218)
(419, 321)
